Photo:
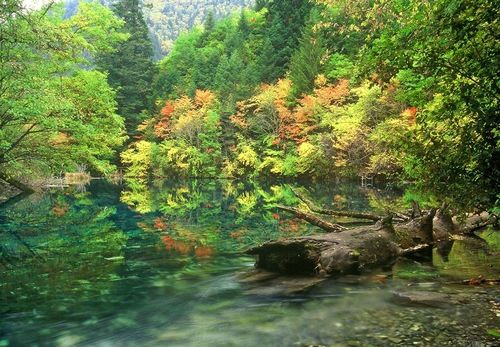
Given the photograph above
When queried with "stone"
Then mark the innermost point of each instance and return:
(422, 298)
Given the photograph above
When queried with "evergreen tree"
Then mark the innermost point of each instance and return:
(209, 24)
(286, 20)
(131, 67)
(260, 4)
(306, 62)
(243, 27)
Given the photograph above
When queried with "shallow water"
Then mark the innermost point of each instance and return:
(113, 265)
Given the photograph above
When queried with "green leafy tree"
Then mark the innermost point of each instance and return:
(448, 52)
(54, 114)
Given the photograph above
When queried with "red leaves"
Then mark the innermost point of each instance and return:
(411, 114)
(162, 128)
(167, 110)
(178, 246)
(186, 248)
(333, 94)
(159, 224)
(203, 252)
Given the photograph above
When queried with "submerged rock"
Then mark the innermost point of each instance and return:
(264, 283)
(422, 298)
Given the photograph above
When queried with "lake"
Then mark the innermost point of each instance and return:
(162, 264)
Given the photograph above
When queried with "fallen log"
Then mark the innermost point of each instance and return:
(314, 220)
(446, 226)
(345, 251)
(349, 251)
(336, 213)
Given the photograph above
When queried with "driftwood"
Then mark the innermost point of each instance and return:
(350, 251)
(344, 251)
(336, 213)
(446, 226)
(314, 220)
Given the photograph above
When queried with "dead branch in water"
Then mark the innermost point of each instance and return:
(314, 220)
(336, 213)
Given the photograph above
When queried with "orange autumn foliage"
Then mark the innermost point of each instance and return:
(167, 110)
(203, 252)
(162, 128)
(60, 210)
(290, 122)
(159, 224)
(168, 242)
(203, 98)
(411, 114)
(238, 120)
(300, 122)
(333, 94)
(182, 247)
(178, 246)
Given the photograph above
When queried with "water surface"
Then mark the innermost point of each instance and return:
(128, 265)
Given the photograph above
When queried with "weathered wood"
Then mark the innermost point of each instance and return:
(351, 251)
(446, 226)
(314, 220)
(344, 251)
(336, 213)
(415, 209)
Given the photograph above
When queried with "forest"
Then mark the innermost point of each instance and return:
(165, 145)
(396, 90)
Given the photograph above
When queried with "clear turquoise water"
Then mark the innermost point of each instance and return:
(113, 265)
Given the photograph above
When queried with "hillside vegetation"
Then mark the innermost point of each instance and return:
(400, 90)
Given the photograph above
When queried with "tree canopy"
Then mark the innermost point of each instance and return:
(56, 112)
(397, 90)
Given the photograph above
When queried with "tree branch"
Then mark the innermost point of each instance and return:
(327, 212)
(314, 220)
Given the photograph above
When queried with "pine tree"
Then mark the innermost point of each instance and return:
(306, 62)
(243, 27)
(209, 24)
(286, 20)
(260, 4)
(131, 67)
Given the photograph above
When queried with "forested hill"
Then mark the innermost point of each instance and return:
(167, 19)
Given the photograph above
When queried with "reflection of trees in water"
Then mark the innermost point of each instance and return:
(469, 257)
(231, 215)
(59, 242)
